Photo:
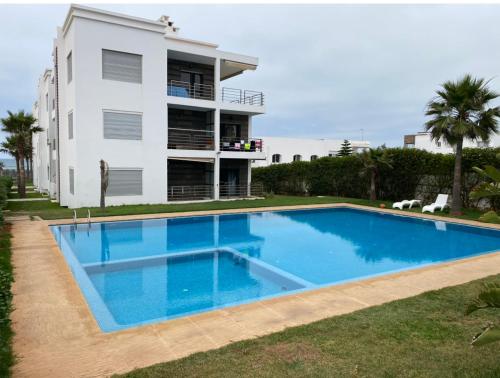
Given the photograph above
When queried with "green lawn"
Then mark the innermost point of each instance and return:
(6, 354)
(28, 195)
(49, 210)
(423, 336)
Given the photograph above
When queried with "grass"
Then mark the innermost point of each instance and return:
(6, 277)
(50, 210)
(28, 195)
(423, 336)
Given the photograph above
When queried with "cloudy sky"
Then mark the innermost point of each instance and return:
(327, 71)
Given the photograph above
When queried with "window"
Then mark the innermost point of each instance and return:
(72, 181)
(122, 125)
(70, 125)
(438, 144)
(121, 66)
(297, 157)
(276, 158)
(47, 102)
(314, 157)
(483, 144)
(69, 65)
(124, 182)
(53, 144)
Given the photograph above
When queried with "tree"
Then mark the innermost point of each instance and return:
(372, 161)
(345, 149)
(9, 146)
(460, 111)
(21, 125)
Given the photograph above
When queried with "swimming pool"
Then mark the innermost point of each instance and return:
(138, 272)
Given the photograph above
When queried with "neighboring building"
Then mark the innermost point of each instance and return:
(286, 150)
(44, 143)
(423, 141)
(131, 91)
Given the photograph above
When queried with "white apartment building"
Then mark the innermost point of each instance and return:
(423, 141)
(133, 92)
(286, 150)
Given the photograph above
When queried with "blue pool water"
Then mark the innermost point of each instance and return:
(138, 272)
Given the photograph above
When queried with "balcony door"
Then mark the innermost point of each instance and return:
(192, 77)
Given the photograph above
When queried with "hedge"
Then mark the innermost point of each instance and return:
(414, 174)
(6, 278)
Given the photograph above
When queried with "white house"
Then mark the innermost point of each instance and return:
(423, 141)
(133, 92)
(286, 150)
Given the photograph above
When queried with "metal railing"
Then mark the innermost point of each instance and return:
(240, 191)
(184, 89)
(237, 144)
(191, 192)
(190, 139)
(242, 96)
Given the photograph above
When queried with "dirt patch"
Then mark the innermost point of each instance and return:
(292, 352)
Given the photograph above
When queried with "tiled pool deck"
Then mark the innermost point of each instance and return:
(57, 336)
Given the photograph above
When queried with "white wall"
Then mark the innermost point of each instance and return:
(86, 39)
(288, 147)
(423, 141)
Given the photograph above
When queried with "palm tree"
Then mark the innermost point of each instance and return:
(460, 111)
(10, 147)
(21, 125)
(372, 160)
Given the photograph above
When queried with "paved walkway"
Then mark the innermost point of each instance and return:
(56, 335)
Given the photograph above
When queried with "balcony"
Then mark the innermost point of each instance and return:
(190, 139)
(187, 90)
(240, 145)
(242, 96)
(240, 191)
(190, 193)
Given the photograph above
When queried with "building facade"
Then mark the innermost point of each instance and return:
(132, 92)
(423, 141)
(286, 150)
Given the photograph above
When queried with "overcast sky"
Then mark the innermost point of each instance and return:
(327, 71)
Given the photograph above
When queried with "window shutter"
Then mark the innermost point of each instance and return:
(122, 125)
(124, 182)
(70, 125)
(72, 181)
(121, 66)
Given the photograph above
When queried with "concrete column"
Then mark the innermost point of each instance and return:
(249, 178)
(216, 176)
(217, 96)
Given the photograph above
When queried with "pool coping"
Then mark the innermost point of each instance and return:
(56, 333)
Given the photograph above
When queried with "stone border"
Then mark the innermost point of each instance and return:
(56, 334)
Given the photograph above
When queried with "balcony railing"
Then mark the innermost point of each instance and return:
(190, 139)
(190, 193)
(241, 96)
(237, 144)
(184, 89)
(238, 191)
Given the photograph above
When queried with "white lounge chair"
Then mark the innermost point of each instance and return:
(410, 203)
(440, 204)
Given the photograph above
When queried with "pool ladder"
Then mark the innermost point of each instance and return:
(89, 221)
